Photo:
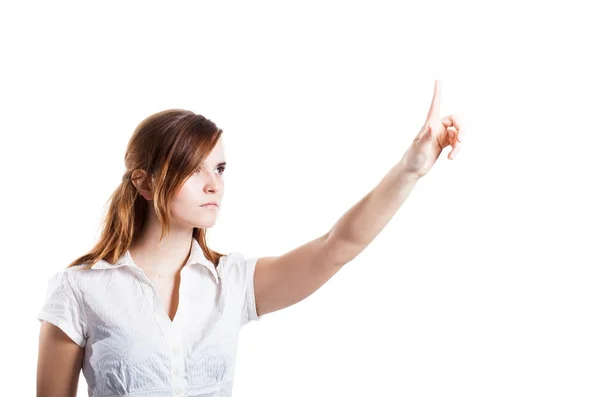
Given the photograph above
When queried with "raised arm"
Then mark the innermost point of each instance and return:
(59, 363)
(281, 281)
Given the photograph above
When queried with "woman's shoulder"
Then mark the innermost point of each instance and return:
(236, 265)
(68, 273)
(83, 275)
(76, 272)
(231, 256)
(79, 267)
(231, 260)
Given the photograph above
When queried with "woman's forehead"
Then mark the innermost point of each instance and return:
(217, 155)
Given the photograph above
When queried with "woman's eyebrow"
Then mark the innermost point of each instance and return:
(220, 164)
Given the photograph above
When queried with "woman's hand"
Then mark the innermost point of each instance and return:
(434, 136)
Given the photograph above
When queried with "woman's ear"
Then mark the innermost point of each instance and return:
(139, 178)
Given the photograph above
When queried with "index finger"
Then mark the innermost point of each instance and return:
(434, 109)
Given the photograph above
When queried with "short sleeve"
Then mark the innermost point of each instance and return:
(63, 307)
(249, 312)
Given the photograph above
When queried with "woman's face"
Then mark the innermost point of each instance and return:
(205, 185)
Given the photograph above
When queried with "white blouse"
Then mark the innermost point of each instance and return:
(131, 346)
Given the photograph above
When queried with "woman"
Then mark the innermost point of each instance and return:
(151, 310)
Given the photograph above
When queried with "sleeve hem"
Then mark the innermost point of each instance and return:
(64, 326)
(252, 313)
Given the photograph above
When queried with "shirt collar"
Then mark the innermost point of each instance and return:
(196, 258)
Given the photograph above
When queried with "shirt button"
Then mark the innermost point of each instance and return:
(176, 371)
(176, 351)
(179, 390)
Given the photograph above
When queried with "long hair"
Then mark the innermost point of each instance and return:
(168, 146)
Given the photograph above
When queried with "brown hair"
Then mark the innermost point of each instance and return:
(169, 146)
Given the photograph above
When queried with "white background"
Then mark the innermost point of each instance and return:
(484, 283)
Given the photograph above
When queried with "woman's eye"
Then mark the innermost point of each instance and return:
(199, 169)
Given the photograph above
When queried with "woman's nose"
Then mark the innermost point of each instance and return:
(212, 182)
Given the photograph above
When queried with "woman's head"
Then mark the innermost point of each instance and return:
(173, 165)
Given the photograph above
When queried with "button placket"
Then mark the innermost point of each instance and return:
(177, 360)
(172, 331)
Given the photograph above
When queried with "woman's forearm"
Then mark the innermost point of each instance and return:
(355, 230)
